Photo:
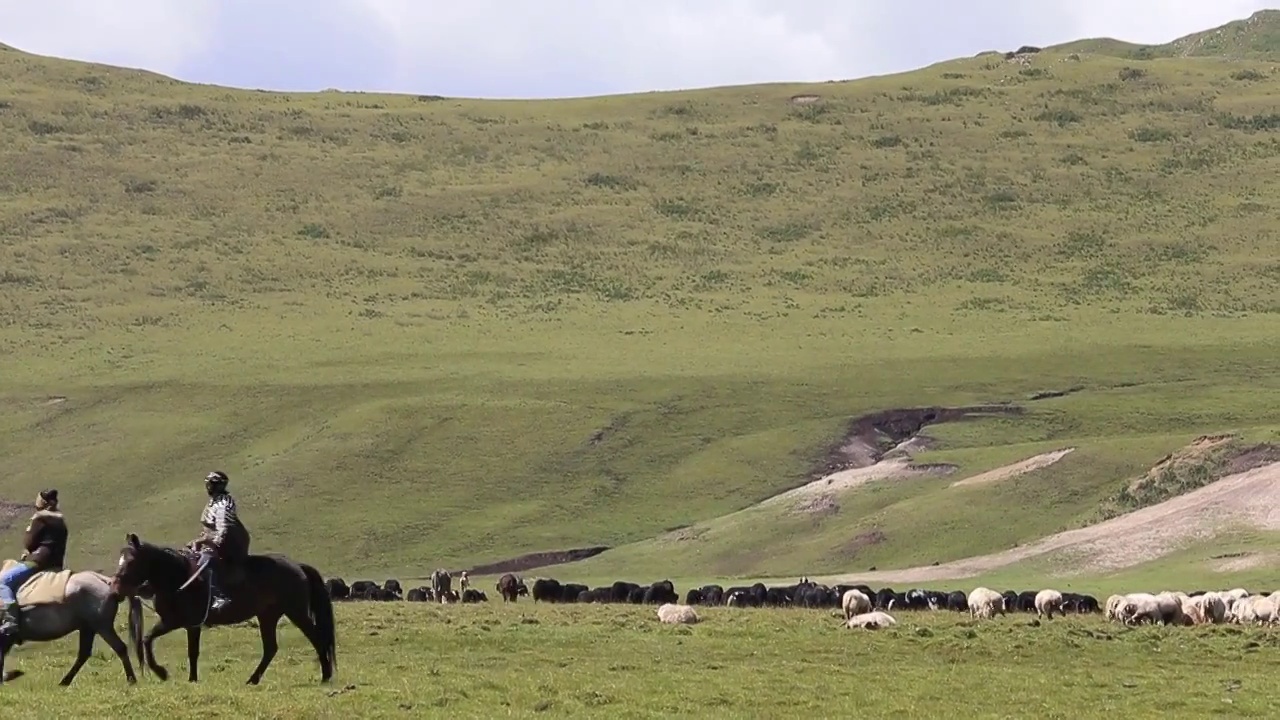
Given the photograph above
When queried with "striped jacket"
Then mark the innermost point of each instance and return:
(222, 527)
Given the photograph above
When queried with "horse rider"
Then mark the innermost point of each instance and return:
(223, 537)
(45, 546)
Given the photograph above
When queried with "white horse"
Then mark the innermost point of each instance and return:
(88, 606)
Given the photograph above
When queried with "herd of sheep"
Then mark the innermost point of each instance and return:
(1237, 606)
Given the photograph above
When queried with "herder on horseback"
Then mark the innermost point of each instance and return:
(222, 538)
(46, 548)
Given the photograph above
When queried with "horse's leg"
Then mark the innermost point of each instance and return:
(157, 632)
(86, 649)
(267, 629)
(108, 633)
(302, 622)
(193, 651)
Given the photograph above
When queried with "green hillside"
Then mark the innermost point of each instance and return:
(1257, 37)
(421, 331)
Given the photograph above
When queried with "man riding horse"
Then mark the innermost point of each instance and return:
(45, 546)
(223, 537)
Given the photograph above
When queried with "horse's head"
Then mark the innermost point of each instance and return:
(143, 564)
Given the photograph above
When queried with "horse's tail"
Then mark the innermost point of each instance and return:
(135, 631)
(322, 614)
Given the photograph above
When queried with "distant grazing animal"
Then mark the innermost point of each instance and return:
(855, 602)
(440, 581)
(673, 614)
(1047, 602)
(874, 620)
(511, 587)
(984, 603)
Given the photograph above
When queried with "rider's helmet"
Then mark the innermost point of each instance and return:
(216, 481)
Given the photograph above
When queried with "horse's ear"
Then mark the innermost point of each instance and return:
(133, 540)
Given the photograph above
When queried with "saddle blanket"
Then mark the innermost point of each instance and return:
(42, 588)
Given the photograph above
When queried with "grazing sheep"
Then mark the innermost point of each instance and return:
(855, 602)
(873, 620)
(1215, 609)
(1165, 609)
(1113, 605)
(673, 614)
(985, 603)
(1047, 602)
(1193, 612)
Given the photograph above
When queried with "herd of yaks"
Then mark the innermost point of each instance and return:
(862, 606)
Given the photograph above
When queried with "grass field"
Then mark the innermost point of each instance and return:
(422, 331)
(527, 660)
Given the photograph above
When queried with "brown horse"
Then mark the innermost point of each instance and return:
(273, 586)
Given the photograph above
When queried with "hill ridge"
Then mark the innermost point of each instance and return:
(423, 332)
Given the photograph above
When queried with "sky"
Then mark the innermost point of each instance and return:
(569, 48)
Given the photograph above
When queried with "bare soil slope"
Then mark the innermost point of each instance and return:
(1247, 498)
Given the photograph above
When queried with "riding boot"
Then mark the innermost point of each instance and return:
(219, 597)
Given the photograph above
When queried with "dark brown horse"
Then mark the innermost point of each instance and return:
(273, 586)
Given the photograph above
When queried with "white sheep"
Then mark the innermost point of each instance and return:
(1113, 605)
(855, 602)
(673, 614)
(985, 603)
(1047, 602)
(874, 620)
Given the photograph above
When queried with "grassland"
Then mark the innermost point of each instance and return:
(466, 661)
(422, 331)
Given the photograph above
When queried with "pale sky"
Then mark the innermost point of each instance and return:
(558, 48)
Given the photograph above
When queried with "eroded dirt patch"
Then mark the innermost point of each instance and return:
(1239, 562)
(1250, 499)
(530, 561)
(871, 438)
(1037, 462)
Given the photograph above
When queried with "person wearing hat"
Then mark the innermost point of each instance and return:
(223, 537)
(45, 546)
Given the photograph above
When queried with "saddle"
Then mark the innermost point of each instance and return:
(229, 574)
(43, 588)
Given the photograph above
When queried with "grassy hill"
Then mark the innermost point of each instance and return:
(422, 331)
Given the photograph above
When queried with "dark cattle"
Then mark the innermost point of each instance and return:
(338, 590)
(419, 594)
(693, 597)
(511, 587)
(449, 596)
(569, 592)
(822, 596)
(883, 598)
(636, 596)
(474, 596)
(753, 596)
(1027, 601)
(620, 591)
(393, 587)
(1010, 600)
(546, 590)
(602, 594)
(777, 597)
(440, 583)
(1077, 603)
(957, 601)
(712, 594)
(660, 593)
(363, 589)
